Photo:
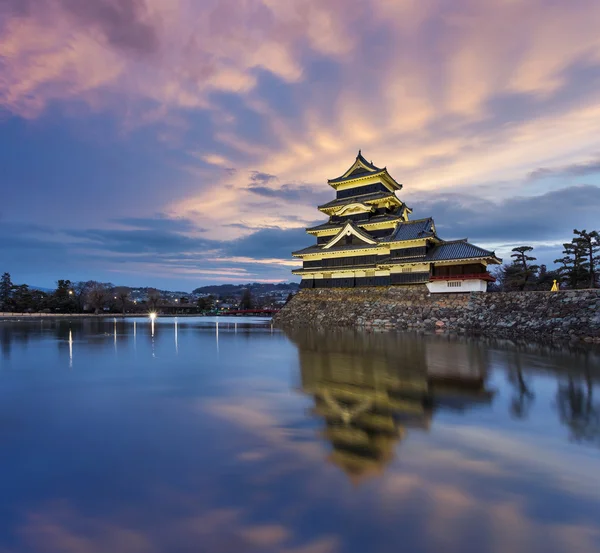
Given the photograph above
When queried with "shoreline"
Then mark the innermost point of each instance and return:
(50, 316)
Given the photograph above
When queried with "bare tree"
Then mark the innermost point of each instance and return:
(153, 298)
(122, 295)
(97, 295)
(81, 290)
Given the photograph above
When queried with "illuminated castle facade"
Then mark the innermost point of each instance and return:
(369, 240)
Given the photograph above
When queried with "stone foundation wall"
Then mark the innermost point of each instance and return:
(567, 315)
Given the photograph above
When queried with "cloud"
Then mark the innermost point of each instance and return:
(161, 222)
(309, 195)
(144, 250)
(268, 243)
(572, 170)
(550, 216)
(124, 23)
(262, 178)
(250, 107)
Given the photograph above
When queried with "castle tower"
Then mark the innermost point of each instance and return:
(369, 240)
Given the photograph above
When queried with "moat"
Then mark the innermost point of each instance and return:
(188, 435)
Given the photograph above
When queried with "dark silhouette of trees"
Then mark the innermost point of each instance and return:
(247, 300)
(81, 291)
(153, 298)
(525, 271)
(572, 266)
(5, 291)
(98, 296)
(206, 303)
(588, 244)
(122, 295)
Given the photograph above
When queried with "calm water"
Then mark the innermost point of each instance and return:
(116, 437)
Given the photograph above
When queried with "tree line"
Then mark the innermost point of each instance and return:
(104, 297)
(73, 297)
(578, 268)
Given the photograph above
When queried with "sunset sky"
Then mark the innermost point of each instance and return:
(175, 143)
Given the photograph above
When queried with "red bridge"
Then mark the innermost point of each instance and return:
(249, 312)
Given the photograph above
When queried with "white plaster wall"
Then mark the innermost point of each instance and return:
(441, 286)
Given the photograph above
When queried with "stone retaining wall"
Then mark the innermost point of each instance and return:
(567, 315)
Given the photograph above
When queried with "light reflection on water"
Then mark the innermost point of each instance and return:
(229, 435)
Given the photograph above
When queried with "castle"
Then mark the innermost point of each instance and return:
(369, 240)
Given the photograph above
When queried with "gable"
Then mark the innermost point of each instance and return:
(358, 169)
(356, 234)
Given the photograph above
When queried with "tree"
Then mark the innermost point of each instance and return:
(97, 296)
(22, 299)
(63, 297)
(122, 294)
(206, 303)
(5, 291)
(589, 245)
(81, 291)
(246, 302)
(526, 271)
(153, 298)
(572, 265)
(508, 278)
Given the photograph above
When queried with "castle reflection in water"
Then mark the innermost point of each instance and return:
(370, 389)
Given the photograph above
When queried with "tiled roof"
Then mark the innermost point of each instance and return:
(458, 249)
(401, 260)
(372, 220)
(352, 177)
(357, 173)
(344, 247)
(359, 199)
(413, 230)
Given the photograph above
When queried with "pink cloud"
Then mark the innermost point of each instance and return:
(445, 94)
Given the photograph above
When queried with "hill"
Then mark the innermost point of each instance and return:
(255, 288)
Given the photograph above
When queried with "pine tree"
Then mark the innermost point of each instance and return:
(526, 271)
(589, 244)
(573, 269)
(5, 291)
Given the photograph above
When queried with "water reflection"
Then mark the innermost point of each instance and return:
(576, 407)
(222, 435)
(370, 389)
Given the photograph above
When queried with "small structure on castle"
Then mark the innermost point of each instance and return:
(369, 240)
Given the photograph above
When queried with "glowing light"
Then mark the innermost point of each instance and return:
(152, 315)
(70, 349)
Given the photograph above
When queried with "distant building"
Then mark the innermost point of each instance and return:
(370, 241)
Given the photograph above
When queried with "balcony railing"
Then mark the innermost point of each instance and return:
(471, 276)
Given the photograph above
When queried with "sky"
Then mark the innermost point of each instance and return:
(177, 143)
